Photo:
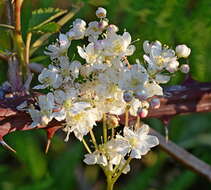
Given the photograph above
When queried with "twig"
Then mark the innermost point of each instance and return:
(183, 156)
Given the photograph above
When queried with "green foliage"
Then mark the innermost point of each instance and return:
(50, 27)
(42, 17)
(40, 20)
(172, 22)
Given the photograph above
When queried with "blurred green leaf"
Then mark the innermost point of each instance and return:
(42, 17)
(51, 27)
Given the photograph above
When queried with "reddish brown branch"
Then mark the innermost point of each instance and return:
(182, 99)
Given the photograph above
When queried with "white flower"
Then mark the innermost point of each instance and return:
(158, 57)
(78, 30)
(45, 114)
(49, 78)
(96, 158)
(60, 48)
(88, 53)
(69, 70)
(139, 141)
(134, 78)
(81, 118)
(101, 12)
(117, 45)
(110, 153)
(151, 89)
(135, 104)
(93, 31)
(183, 51)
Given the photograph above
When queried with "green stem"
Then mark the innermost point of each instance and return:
(93, 139)
(110, 183)
(121, 170)
(86, 146)
(27, 50)
(104, 128)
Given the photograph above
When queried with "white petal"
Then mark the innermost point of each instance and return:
(143, 130)
(90, 159)
(81, 52)
(135, 154)
(151, 141)
(128, 132)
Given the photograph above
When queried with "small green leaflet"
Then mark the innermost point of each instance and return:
(41, 20)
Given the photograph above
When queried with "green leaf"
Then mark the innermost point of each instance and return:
(50, 27)
(41, 17)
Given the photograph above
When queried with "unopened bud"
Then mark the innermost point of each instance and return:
(183, 51)
(101, 12)
(103, 24)
(185, 68)
(142, 112)
(127, 96)
(112, 28)
(172, 66)
(155, 103)
(112, 121)
(141, 95)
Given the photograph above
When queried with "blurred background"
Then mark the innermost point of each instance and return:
(171, 22)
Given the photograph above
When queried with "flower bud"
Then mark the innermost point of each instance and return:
(141, 95)
(145, 104)
(101, 12)
(183, 51)
(142, 112)
(185, 68)
(103, 24)
(155, 103)
(112, 121)
(112, 28)
(127, 96)
(172, 66)
(146, 46)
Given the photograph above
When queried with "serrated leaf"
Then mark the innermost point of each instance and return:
(41, 17)
(51, 27)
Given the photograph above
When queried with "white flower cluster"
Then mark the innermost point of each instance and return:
(104, 85)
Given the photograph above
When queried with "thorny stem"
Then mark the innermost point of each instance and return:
(86, 146)
(104, 128)
(18, 40)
